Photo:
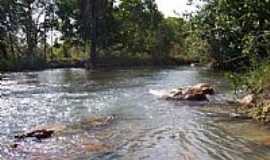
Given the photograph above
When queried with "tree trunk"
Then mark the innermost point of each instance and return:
(3, 50)
(31, 35)
(93, 50)
(11, 45)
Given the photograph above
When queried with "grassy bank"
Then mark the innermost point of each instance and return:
(257, 83)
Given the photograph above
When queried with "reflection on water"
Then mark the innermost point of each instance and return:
(145, 127)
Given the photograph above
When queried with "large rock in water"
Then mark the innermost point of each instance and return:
(197, 92)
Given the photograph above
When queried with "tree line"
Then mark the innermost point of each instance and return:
(36, 31)
(231, 34)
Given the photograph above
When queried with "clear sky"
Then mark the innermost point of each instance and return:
(167, 7)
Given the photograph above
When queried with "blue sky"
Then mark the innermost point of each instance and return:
(167, 7)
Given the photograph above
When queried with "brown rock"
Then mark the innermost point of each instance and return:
(205, 88)
(248, 101)
(197, 92)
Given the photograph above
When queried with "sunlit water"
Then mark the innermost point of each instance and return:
(145, 127)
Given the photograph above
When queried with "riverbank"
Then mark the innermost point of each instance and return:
(109, 62)
(258, 108)
(255, 87)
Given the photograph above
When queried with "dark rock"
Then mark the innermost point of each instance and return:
(38, 134)
(14, 146)
(196, 97)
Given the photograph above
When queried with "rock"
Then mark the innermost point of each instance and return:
(266, 142)
(204, 88)
(239, 116)
(38, 134)
(266, 109)
(96, 122)
(196, 97)
(197, 92)
(57, 127)
(14, 146)
(96, 147)
(248, 101)
(43, 131)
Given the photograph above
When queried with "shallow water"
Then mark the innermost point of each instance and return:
(145, 127)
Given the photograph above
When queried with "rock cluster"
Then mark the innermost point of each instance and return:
(197, 92)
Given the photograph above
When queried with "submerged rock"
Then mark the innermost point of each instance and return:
(96, 122)
(96, 147)
(92, 123)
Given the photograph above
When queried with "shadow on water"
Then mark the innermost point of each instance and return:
(145, 127)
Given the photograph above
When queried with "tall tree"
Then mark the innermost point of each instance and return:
(91, 13)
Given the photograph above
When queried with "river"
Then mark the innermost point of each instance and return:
(145, 127)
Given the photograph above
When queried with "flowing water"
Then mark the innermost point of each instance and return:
(145, 127)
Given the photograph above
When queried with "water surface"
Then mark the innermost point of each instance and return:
(145, 128)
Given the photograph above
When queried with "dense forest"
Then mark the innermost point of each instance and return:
(36, 32)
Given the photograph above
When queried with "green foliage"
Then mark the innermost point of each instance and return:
(126, 28)
(254, 81)
(195, 46)
(237, 31)
(131, 28)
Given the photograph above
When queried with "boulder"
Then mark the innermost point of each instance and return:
(197, 92)
(248, 101)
